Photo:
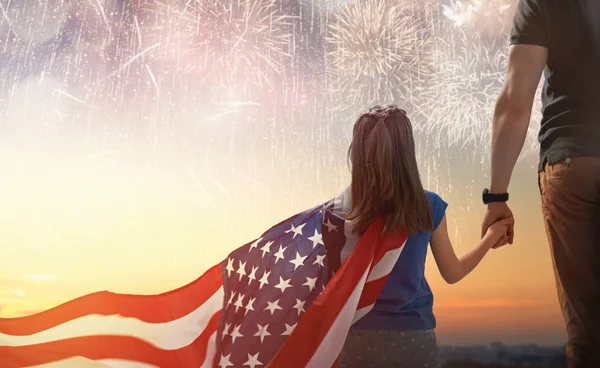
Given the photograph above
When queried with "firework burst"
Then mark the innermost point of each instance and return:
(376, 52)
(492, 18)
(223, 40)
(458, 102)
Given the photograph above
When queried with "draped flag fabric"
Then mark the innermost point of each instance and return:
(287, 299)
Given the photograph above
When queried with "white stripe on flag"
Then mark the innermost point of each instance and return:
(362, 312)
(118, 363)
(334, 340)
(211, 351)
(171, 335)
(79, 362)
(386, 264)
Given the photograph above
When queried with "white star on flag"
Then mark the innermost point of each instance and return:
(266, 248)
(239, 302)
(231, 298)
(253, 361)
(236, 333)
(289, 329)
(252, 275)
(264, 280)
(272, 307)
(311, 283)
(262, 332)
(316, 239)
(298, 261)
(283, 284)
(319, 260)
(225, 330)
(249, 306)
(331, 226)
(299, 306)
(295, 230)
(229, 267)
(224, 362)
(241, 269)
(255, 244)
(279, 254)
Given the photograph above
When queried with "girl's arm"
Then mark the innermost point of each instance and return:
(453, 268)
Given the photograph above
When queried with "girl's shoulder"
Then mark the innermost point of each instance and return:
(438, 207)
(342, 203)
(433, 197)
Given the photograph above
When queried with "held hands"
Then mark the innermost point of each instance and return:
(496, 234)
(495, 212)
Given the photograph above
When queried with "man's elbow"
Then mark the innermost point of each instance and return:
(512, 109)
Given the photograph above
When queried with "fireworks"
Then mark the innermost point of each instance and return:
(37, 22)
(376, 50)
(458, 102)
(490, 17)
(459, 99)
(325, 5)
(162, 67)
(227, 41)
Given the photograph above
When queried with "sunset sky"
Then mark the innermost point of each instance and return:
(134, 154)
(75, 225)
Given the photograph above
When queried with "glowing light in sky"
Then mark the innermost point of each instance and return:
(491, 17)
(20, 293)
(42, 277)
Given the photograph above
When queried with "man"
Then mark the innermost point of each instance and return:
(561, 38)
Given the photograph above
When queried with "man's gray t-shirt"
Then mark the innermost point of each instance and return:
(570, 30)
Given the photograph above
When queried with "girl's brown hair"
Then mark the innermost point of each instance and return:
(385, 175)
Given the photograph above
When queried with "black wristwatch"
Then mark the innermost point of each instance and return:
(493, 198)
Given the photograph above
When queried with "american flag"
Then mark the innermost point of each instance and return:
(287, 299)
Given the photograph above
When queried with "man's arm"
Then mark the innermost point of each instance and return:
(511, 120)
(526, 60)
(513, 111)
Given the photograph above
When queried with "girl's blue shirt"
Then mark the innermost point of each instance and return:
(406, 301)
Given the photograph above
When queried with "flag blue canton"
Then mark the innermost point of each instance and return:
(271, 282)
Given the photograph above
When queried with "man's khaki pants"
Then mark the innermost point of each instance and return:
(571, 206)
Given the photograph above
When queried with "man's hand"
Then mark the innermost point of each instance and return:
(495, 212)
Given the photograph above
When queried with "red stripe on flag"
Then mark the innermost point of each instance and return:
(389, 243)
(371, 292)
(313, 327)
(158, 308)
(111, 347)
(373, 288)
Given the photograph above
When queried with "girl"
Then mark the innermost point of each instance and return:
(399, 331)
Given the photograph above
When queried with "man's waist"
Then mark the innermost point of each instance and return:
(562, 148)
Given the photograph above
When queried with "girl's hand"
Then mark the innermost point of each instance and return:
(497, 233)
